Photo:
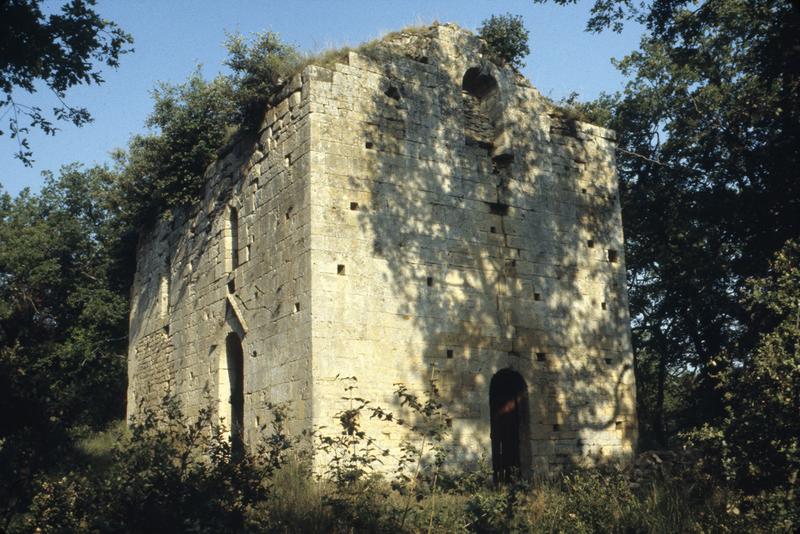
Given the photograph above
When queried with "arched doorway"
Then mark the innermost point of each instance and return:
(234, 357)
(508, 401)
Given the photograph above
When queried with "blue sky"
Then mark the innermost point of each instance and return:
(172, 37)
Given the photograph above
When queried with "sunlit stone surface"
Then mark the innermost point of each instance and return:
(411, 211)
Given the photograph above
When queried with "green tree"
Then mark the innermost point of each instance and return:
(63, 322)
(164, 169)
(755, 444)
(58, 51)
(709, 127)
(191, 122)
(506, 37)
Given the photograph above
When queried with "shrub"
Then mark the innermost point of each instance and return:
(172, 475)
(190, 122)
(506, 37)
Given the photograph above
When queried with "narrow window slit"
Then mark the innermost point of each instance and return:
(449, 354)
(429, 281)
(340, 269)
(613, 255)
(233, 222)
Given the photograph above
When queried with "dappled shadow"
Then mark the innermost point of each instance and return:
(413, 212)
(169, 281)
(481, 232)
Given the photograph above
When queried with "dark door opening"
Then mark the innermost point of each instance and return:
(235, 357)
(508, 397)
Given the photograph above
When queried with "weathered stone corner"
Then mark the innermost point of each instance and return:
(414, 206)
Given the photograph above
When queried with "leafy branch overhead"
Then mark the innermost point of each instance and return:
(55, 52)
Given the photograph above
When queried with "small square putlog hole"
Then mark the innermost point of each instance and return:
(369, 145)
(613, 255)
(340, 269)
(556, 427)
(590, 243)
(608, 361)
(537, 296)
(541, 356)
(353, 206)
(493, 229)
(449, 354)
(603, 305)
(429, 281)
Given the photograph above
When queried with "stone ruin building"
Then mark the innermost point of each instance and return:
(414, 208)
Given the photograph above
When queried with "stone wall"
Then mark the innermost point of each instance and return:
(409, 212)
(178, 342)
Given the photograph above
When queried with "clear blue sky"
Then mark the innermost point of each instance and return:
(173, 36)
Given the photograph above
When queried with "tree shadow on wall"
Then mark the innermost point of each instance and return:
(491, 235)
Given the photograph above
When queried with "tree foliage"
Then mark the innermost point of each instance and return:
(755, 444)
(58, 51)
(506, 37)
(259, 67)
(192, 121)
(709, 133)
(709, 146)
(163, 169)
(63, 322)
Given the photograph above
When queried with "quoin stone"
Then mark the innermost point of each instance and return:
(414, 210)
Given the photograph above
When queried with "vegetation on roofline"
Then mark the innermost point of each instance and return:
(709, 147)
(192, 121)
(506, 38)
